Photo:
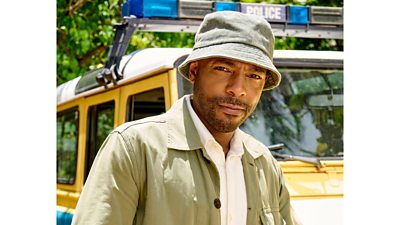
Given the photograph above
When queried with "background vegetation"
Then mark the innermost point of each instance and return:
(85, 33)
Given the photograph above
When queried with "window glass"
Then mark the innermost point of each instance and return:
(67, 145)
(101, 123)
(305, 113)
(149, 103)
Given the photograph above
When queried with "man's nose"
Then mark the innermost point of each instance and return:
(237, 84)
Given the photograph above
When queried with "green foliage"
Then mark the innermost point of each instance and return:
(85, 33)
(82, 35)
(288, 43)
(142, 40)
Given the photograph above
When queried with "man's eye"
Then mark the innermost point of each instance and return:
(221, 68)
(255, 76)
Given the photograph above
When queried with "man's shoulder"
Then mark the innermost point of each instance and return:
(141, 125)
(153, 122)
(258, 150)
(254, 146)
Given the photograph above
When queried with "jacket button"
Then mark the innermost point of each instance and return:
(217, 203)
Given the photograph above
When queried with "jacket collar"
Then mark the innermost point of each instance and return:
(180, 125)
(253, 146)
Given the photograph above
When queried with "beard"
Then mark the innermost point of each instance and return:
(207, 108)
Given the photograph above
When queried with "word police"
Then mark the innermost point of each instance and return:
(270, 12)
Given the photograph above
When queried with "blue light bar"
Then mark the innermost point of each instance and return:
(132, 7)
(226, 6)
(298, 15)
(125, 9)
(160, 8)
(150, 8)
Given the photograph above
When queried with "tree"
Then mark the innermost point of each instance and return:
(85, 33)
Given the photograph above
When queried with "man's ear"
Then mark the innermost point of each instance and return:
(193, 71)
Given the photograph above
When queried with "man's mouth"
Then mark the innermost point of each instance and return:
(231, 109)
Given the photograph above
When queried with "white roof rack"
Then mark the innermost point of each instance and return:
(150, 60)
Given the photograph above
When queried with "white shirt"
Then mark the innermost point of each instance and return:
(232, 187)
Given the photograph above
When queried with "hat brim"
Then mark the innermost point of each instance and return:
(237, 51)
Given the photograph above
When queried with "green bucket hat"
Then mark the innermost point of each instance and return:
(238, 36)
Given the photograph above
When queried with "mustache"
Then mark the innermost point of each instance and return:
(231, 100)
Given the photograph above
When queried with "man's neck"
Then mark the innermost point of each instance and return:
(223, 139)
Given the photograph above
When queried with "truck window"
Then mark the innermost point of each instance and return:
(67, 145)
(305, 113)
(144, 104)
(100, 124)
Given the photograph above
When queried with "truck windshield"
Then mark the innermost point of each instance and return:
(305, 113)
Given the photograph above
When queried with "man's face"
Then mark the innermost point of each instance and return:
(226, 92)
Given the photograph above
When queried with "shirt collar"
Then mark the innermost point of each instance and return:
(183, 126)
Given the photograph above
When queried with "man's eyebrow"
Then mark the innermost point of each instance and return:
(259, 69)
(223, 61)
(231, 63)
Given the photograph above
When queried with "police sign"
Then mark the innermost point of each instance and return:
(276, 13)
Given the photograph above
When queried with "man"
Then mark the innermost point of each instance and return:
(193, 165)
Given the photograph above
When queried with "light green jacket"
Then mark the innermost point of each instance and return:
(155, 171)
